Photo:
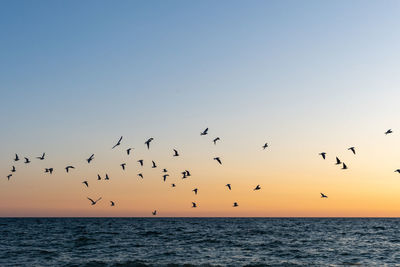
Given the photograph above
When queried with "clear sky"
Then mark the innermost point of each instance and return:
(304, 76)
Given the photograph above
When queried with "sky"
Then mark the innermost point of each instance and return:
(304, 76)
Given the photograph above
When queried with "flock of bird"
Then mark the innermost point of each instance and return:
(185, 173)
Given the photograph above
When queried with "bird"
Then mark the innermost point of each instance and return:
(141, 162)
(165, 176)
(41, 157)
(195, 191)
(154, 164)
(98, 177)
(165, 170)
(187, 173)
(27, 160)
(107, 178)
(140, 175)
(13, 169)
(90, 158)
(344, 166)
(215, 140)
(194, 205)
(352, 149)
(398, 170)
(85, 183)
(388, 132)
(338, 161)
(173, 185)
(323, 154)
(93, 202)
(265, 146)
(69, 167)
(176, 154)
(154, 212)
(148, 142)
(257, 188)
(118, 143)
(204, 132)
(218, 160)
(49, 170)
(235, 204)
(9, 176)
(323, 195)
(229, 186)
(16, 157)
(123, 166)
(184, 175)
(112, 203)
(128, 151)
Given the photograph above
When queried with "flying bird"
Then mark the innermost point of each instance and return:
(389, 131)
(141, 162)
(204, 132)
(338, 161)
(257, 188)
(85, 183)
(265, 146)
(229, 186)
(107, 178)
(148, 142)
(323, 195)
(176, 153)
(27, 160)
(344, 166)
(218, 160)
(195, 191)
(9, 176)
(352, 149)
(235, 204)
(98, 177)
(93, 202)
(41, 157)
(194, 205)
(187, 173)
(323, 154)
(398, 170)
(173, 185)
(128, 151)
(90, 158)
(154, 213)
(112, 203)
(140, 175)
(184, 175)
(118, 143)
(165, 170)
(16, 157)
(69, 167)
(165, 176)
(215, 140)
(13, 169)
(154, 164)
(123, 166)
(49, 170)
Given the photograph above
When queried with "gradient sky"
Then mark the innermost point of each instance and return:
(304, 76)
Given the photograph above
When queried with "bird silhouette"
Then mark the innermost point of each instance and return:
(398, 170)
(49, 170)
(184, 175)
(90, 158)
(69, 167)
(112, 203)
(218, 160)
(98, 177)
(140, 162)
(85, 183)
(41, 157)
(215, 140)
(195, 191)
(107, 178)
(173, 185)
(194, 205)
(176, 154)
(118, 143)
(389, 131)
(94, 202)
(123, 166)
(338, 161)
(154, 212)
(140, 175)
(187, 173)
(323, 195)
(257, 188)
(128, 151)
(323, 154)
(344, 166)
(352, 149)
(265, 146)
(165, 176)
(229, 186)
(154, 164)
(235, 204)
(148, 142)
(165, 170)
(16, 157)
(9, 176)
(27, 161)
(204, 132)
(13, 169)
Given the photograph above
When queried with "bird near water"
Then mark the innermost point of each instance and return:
(235, 204)
(194, 205)
(94, 202)
(112, 204)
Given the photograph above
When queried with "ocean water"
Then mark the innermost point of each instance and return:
(199, 241)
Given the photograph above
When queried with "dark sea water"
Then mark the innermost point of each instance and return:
(199, 241)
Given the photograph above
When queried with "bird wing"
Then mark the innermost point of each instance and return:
(91, 200)
(98, 199)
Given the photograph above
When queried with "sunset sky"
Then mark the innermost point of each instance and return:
(304, 76)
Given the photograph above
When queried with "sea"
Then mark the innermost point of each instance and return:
(199, 241)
